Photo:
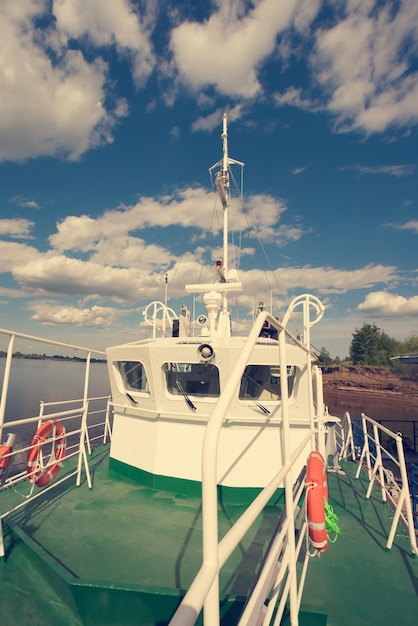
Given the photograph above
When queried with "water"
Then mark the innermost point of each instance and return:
(398, 413)
(34, 380)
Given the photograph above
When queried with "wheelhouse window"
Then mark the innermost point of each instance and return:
(134, 376)
(262, 382)
(196, 379)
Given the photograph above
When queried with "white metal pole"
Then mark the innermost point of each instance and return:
(6, 378)
(287, 453)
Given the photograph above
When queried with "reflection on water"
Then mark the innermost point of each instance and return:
(32, 381)
(397, 413)
(378, 407)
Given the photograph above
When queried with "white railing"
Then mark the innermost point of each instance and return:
(86, 421)
(372, 456)
(278, 574)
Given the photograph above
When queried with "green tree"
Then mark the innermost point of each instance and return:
(324, 357)
(372, 346)
(408, 346)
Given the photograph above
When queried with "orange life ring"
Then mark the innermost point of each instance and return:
(4, 459)
(317, 490)
(37, 474)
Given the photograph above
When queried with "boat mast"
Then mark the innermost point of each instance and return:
(228, 282)
(222, 182)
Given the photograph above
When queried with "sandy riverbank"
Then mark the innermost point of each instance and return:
(378, 392)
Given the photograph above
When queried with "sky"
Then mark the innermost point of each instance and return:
(111, 115)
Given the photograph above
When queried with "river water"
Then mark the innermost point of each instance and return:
(396, 412)
(33, 381)
(49, 380)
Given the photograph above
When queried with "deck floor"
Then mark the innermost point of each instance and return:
(94, 536)
(356, 580)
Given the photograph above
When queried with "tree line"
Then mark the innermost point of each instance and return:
(370, 345)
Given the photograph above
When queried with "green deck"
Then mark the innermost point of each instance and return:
(122, 554)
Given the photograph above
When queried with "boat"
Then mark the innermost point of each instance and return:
(212, 486)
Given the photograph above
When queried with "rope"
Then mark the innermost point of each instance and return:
(331, 522)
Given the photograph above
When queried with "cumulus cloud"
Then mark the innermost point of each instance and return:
(366, 63)
(106, 23)
(245, 39)
(385, 304)
(83, 233)
(328, 280)
(55, 100)
(66, 276)
(53, 314)
(16, 228)
(12, 253)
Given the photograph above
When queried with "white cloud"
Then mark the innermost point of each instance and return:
(55, 101)
(83, 233)
(210, 122)
(17, 228)
(12, 253)
(411, 225)
(106, 23)
(391, 170)
(227, 49)
(263, 213)
(293, 96)
(52, 314)
(333, 280)
(366, 63)
(65, 276)
(384, 304)
(24, 202)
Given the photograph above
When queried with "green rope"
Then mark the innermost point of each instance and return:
(331, 521)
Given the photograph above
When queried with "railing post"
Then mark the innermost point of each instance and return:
(6, 379)
(406, 497)
(287, 453)
(414, 469)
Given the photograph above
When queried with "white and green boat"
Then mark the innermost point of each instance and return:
(185, 496)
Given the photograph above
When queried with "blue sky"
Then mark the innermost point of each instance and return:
(111, 114)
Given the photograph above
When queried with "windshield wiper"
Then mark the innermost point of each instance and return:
(131, 398)
(185, 396)
(258, 404)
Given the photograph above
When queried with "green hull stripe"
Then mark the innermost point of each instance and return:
(186, 488)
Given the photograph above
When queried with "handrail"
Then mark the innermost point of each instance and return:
(204, 590)
(80, 411)
(375, 467)
(51, 342)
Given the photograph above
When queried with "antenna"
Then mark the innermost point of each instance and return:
(215, 294)
(222, 184)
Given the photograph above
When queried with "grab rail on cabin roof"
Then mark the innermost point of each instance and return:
(204, 590)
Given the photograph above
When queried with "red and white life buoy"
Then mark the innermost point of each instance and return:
(4, 458)
(37, 473)
(317, 490)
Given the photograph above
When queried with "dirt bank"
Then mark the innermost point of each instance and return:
(374, 380)
(380, 393)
